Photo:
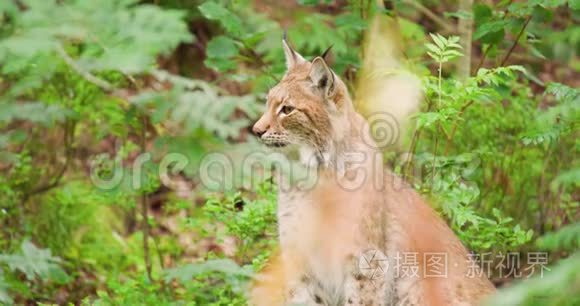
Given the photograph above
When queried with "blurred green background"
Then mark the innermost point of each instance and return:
(88, 87)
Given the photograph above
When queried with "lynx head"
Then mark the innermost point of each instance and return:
(305, 107)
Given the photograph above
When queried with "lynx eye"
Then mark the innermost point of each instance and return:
(286, 109)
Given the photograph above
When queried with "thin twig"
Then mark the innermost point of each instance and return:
(145, 207)
(455, 124)
(466, 29)
(144, 198)
(482, 59)
(69, 128)
(438, 20)
(434, 162)
(159, 254)
(414, 142)
(489, 46)
(543, 207)
(507, 56)
(104, 85)
(409, 161)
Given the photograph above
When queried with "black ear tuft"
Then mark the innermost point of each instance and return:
(292, 57)
(325, 53)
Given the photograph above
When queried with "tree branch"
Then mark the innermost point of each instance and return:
(507, 56)
(489, 46)
(69, 130)
(466, 29)
(455, 124)
(414, 141)
(144, 199)
(482, 59)
(429, 14)
(104, 85)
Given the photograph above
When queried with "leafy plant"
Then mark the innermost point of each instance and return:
(250, 220)
(33, 263)
(555, 288)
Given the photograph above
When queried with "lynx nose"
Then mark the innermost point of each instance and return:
(258, 130)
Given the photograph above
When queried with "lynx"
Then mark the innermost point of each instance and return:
(376, 244)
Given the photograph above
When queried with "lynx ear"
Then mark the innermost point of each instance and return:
(322, 76)
(292, 57)
(326, 53)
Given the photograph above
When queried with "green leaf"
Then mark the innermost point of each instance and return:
(459, 14)
(521, 8)
(427, 119)
(491, 32)
(567, 178)
(221, 47)
(556, 287)
(566, 238)
(34, 112)
(433, 48)
(115, 35)
(482, 13)
(220, 52)
(439, 40)
(34, 262)
(452, 53)
(215, 11)
(4, 286)
(433, 56)
(350, 21)
(196, 105)
(549, 3)
(8, 7)
(535, 52)
(562, 92)
(529, 234)
(186, 273)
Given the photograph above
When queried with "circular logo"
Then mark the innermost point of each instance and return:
(373, 264)
(382, 130)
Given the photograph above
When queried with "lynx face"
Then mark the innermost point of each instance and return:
(300, 107)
